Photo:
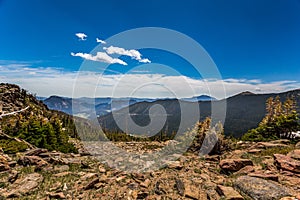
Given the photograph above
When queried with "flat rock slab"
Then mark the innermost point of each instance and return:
(260, 189)
(229, 193)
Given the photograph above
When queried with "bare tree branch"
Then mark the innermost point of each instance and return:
(13, 113)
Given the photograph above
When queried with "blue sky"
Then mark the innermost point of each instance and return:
(255, 44)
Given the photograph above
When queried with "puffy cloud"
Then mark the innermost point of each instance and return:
(100, 57)
(134, 54)
(145, 60)
(100, 41)
(48, 81)
(81, 36)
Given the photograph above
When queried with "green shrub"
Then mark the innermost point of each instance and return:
(11, 146)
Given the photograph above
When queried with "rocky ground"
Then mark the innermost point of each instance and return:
(249, 171)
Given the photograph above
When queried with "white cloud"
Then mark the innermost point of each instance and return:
(145, 60)
(100, 57)
(134, 54)
(100, 41)
(81, 36)
(46, 81)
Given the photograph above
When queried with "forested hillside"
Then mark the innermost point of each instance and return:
(25, 117)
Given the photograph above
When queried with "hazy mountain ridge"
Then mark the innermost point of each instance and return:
(84, 106)
(244, 112)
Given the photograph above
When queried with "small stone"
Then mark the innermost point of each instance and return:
(12, 163)
(101, 169)
(255, 151)
(61, 174)
(58, 195)
(13, 176)
(146, 183)
(4, 166)
(158, 189)
(120, 178)
(91, 184)
(88, 176)
(142, 195)
(295, 154)
(297, 146)
(175, 165)
(180, 186)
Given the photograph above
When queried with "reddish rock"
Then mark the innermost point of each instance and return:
(35, 152)
(265, 175)
(234, 164)
(287, 163)
(32, 160)
(229, 193)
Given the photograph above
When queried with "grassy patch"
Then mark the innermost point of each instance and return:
(275, 150)
(255, 159)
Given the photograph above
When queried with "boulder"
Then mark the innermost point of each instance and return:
(260, 189)
(234, 164)
(287, 163)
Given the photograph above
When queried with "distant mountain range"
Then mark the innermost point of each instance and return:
(84, 107)
(244, 111)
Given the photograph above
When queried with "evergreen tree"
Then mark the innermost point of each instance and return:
(280, 121)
